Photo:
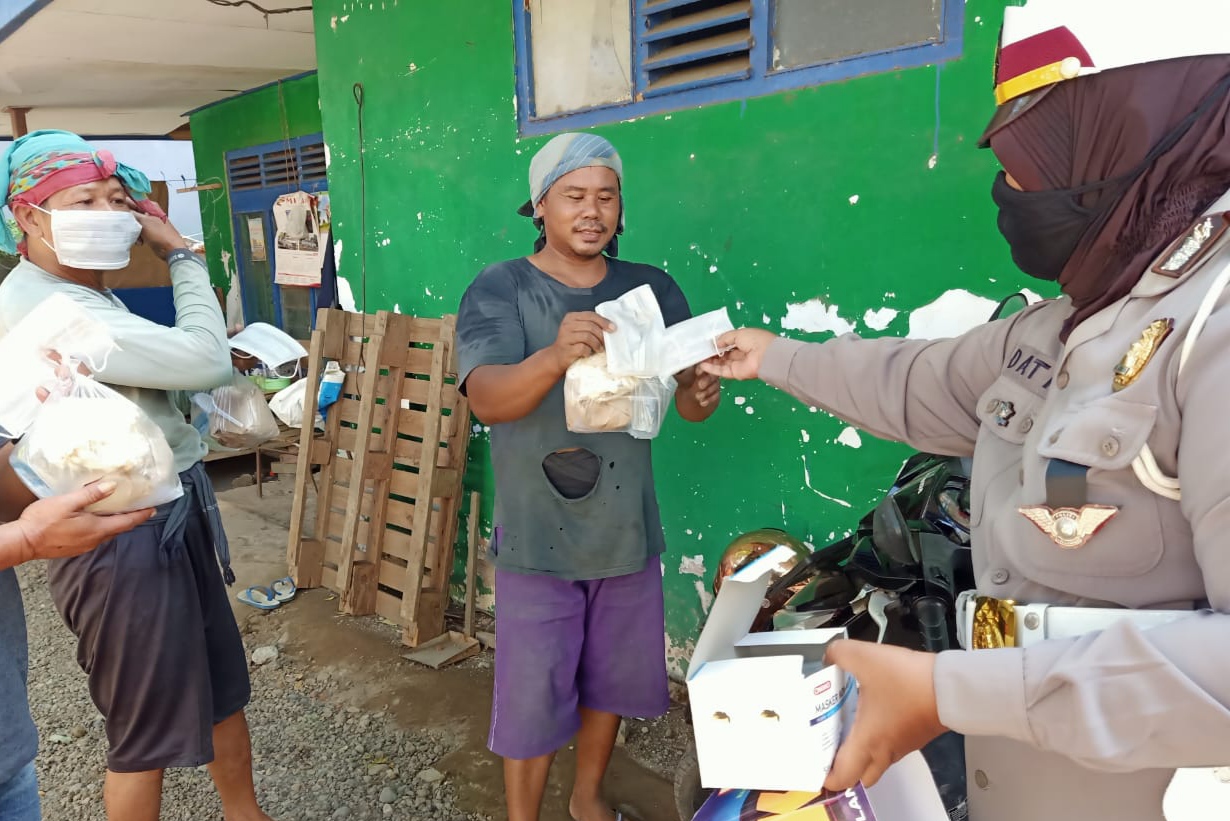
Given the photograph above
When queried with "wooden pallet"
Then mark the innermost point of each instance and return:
(416, 484)
(351, 340)
(382, 550)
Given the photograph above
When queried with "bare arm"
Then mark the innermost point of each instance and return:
(506, 393)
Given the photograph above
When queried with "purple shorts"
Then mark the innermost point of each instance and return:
(561, 645)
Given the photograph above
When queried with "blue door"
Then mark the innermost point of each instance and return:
(256, 177)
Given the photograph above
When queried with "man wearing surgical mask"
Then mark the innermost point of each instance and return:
(155, 631)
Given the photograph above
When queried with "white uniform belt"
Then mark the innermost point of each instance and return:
(1039, 622)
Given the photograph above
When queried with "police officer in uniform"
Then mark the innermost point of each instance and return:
(1094, 682)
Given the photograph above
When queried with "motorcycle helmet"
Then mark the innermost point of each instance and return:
(752, 545)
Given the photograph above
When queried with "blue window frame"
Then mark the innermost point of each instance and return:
(686, 53)
(256, 177)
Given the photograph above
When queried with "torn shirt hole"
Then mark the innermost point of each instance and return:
(573, 473)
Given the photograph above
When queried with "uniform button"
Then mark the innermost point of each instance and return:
(1055, 436)
(1110, 446)
(1027, 425)
(980, 778)
(1062, 380)
(1000, 576)
(1020, 476)
(992, 406)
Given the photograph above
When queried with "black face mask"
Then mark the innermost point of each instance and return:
(1043, 228)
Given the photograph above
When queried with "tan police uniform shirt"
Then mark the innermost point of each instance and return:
(1093, 727)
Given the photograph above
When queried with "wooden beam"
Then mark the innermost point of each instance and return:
(183, 132)
(213, 186)
(472, 562)
(17, 121)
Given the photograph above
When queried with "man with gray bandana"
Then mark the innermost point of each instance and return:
(577, 534)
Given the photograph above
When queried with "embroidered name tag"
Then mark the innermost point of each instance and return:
(1031, 368)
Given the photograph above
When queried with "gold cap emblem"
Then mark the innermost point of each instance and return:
(1069, 527)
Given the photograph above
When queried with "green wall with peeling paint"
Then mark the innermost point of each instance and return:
(866, 194)
(281, 111)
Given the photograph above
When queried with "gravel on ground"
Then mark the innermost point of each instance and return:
(316, 756)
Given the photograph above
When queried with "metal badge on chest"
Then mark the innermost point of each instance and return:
(1067, 518)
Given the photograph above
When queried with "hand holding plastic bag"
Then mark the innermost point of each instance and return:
(57, 328)
(85, 432)
(628, 387)
(596, 401)
(238, 415)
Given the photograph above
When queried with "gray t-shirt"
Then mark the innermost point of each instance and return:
(18, 737)
(547, 518)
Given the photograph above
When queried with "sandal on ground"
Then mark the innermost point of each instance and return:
(284, 589)
(262, 598)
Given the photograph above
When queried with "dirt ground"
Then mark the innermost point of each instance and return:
(365, 653)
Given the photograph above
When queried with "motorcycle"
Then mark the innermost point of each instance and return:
(895, 579)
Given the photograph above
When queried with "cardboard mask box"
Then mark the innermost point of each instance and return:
(768, 715)
(767, 710)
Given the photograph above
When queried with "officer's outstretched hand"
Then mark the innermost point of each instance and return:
(744, 351)
(896, 714)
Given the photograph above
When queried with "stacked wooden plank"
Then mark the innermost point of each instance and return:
(391, 461)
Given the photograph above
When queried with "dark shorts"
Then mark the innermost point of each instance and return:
(157, 638)
(561, 645)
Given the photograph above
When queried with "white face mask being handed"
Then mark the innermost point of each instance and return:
(93, 240)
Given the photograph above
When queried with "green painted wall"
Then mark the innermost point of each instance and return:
(867, 194)
(278, 112)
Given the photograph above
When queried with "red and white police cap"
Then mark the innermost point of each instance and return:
(1045, 42)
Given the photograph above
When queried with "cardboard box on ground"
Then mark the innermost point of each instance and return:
(768, 713)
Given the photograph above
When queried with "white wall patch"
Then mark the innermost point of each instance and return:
(345, 295)
(692, 565)
(813, 316)
(954, 313)
(879, 320)
(850, 438)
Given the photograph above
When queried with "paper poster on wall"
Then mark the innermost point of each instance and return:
(256, 239)
(301, 240)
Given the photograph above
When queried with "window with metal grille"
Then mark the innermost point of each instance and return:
(582, 63)
(288, 167)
